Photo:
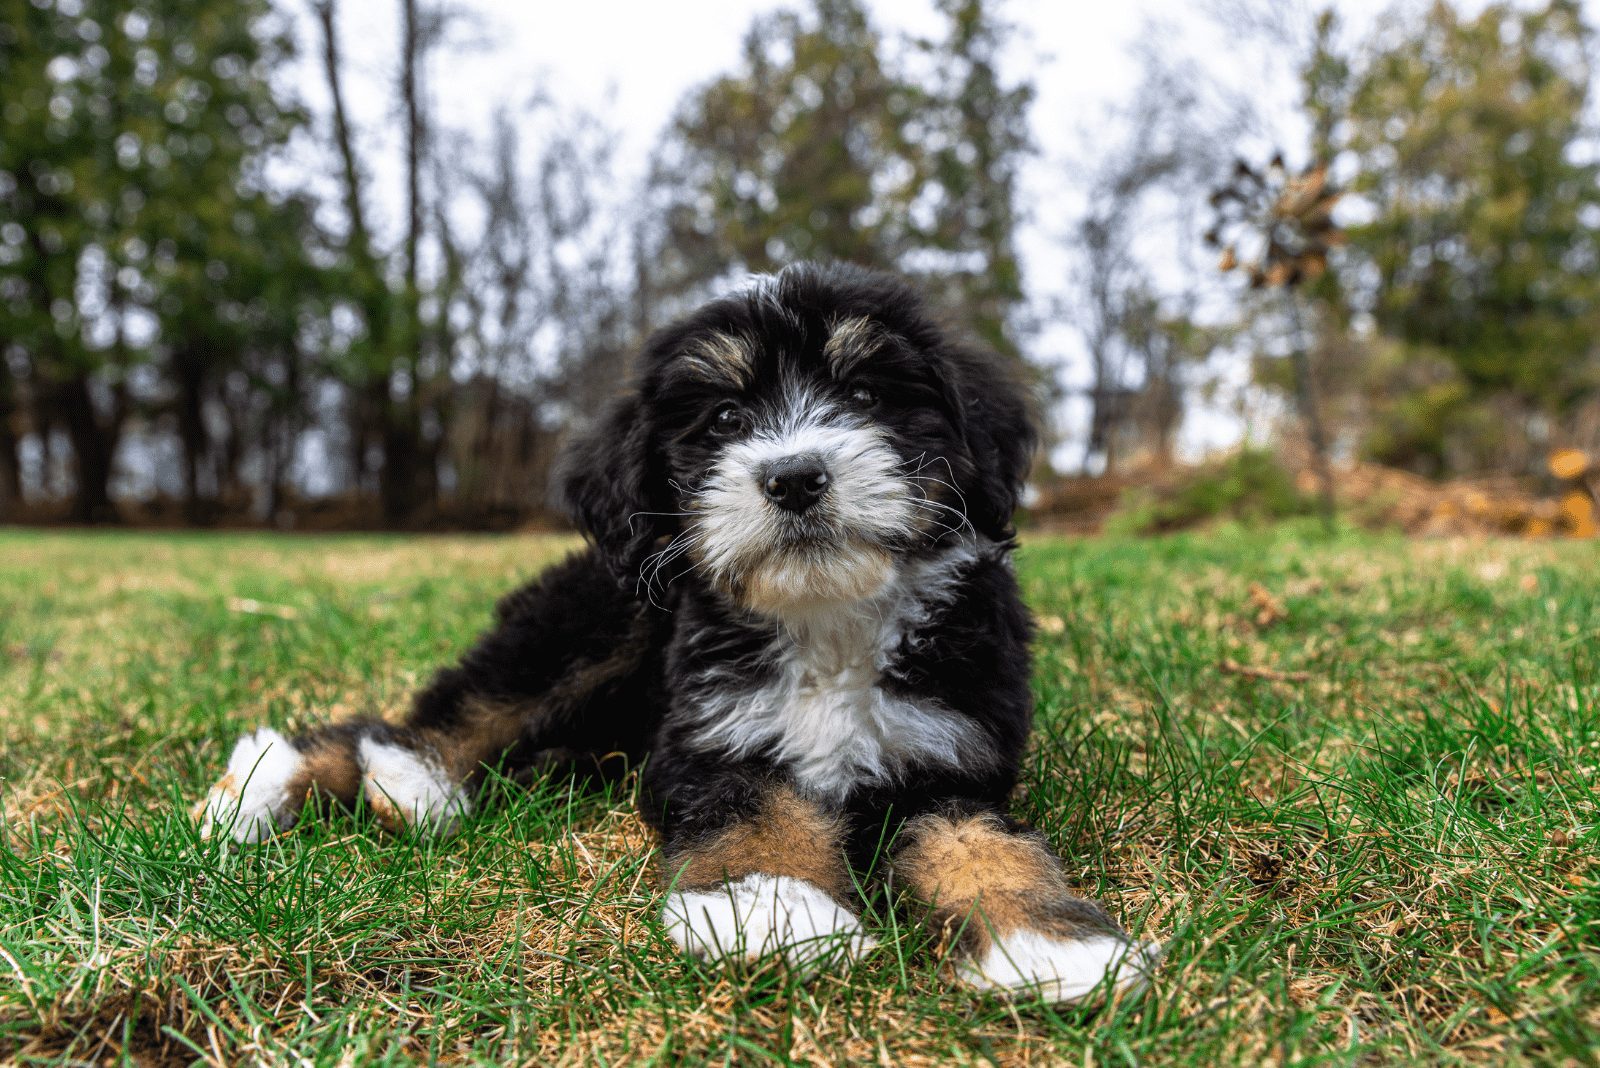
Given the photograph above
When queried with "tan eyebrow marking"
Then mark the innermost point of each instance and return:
(852, 340)
(722, 357)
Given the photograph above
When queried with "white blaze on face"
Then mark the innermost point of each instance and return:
(742, 539)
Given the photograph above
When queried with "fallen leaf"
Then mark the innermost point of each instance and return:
(1577, 509)
(1269, 609)
(1233, 667)
(1569, 464)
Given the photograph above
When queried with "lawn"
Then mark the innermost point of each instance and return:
(1349, 784)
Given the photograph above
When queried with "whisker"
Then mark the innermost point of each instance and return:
(919, 479)
(928, 502)
(939, 508)
(936, 480)
(951, 471)
(650, 569)
(947, 528)
(666, 558)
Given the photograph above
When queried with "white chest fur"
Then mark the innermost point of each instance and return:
(825, 714)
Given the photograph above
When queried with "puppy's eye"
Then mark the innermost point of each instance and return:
(863, 397)
(728, 421)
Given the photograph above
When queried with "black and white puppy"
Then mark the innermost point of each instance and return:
(799, 616)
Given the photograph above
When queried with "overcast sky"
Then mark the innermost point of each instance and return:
(631, 62)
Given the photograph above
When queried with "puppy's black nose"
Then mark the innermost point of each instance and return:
(795, 483)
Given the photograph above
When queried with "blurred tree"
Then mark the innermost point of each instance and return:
(1170, 345)
(417, 382)
(398, 366)
(1142, 335)
(170, 310)
(365, 361)
(544, 305)
(1301, 343)
(804, 152)
(822, 145)
(66, 211)
(585, 268)
(11, 499)
(1476, 168)
(236, 274)
(498, 310)
(974, 129)
(381, 363)
(131, 164)
(22, 70)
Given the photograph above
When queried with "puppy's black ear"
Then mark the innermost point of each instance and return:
(1002, 434)
(604, 482)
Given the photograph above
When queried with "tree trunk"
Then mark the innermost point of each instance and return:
(10, 462)
(369, 400)
(1102, 430)
(410, 58)
(93, 450)
(11, 500)
(285, 436)
(343, 139)
(369, 406)
(406, 482)
(397, 482)
(1306, 399)
(43, 416)
(228, 453)
(189, 372)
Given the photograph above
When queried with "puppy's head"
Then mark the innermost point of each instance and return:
(793, 443)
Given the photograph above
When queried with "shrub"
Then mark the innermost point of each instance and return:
(1249, 487)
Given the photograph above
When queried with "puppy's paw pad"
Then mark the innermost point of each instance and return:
(762, 914)
(1032, 964)
(258, 795)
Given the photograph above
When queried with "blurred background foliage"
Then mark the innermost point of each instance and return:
(197, 326)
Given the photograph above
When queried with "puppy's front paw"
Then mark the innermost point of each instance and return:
(261, 792)
(764, 914)
(1032, 964)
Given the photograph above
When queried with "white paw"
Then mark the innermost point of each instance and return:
(254, 798)
(1033, 964)
(405, 788)
(764, 914)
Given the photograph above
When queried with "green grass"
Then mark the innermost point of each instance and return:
(1384, 851)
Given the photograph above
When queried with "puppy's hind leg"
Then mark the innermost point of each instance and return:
(420, 775)
(568, 666)
(270, 777)
(403, 776)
